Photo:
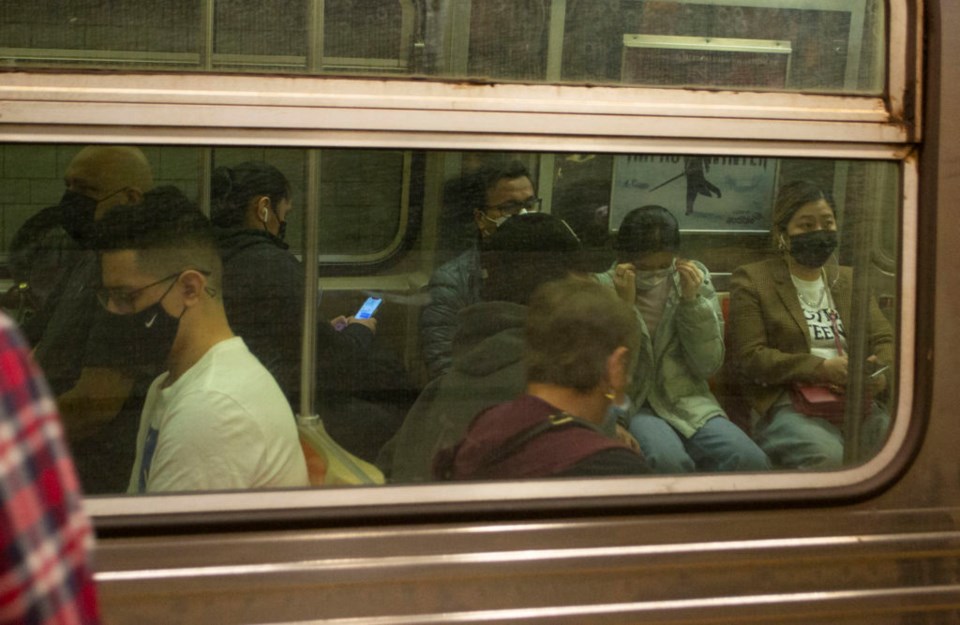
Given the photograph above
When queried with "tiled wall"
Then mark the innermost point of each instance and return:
(32, 178)
(360, 194)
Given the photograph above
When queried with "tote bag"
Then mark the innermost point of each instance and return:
(329, 464)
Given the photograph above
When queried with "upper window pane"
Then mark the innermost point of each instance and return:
(792, 45)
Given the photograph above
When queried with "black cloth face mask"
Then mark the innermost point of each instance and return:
(77, 216)
(150, 333)
(281, 234)
(812, 249)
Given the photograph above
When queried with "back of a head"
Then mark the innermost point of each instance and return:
(168, 233)
(524, 252)
(572, 327)
(232, 188)
(647, 230)
(585, 206)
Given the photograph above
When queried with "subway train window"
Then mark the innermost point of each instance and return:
(821, 46)
(226, 318)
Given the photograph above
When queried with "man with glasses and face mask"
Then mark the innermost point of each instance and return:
(494, 194)
(215, 418)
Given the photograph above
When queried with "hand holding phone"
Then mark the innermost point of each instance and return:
(369, 308)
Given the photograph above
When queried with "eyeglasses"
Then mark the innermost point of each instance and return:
(531, 205)
(124, 301)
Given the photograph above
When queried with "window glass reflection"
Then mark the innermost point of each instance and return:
(792, 45)
(163, 291)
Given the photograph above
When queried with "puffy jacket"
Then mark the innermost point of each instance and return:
(263, 297)
(453, 286)
(674, 366)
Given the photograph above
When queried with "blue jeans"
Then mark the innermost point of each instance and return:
(795, 441)
(717, 446)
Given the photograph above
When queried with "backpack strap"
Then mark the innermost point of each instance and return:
(518, 440)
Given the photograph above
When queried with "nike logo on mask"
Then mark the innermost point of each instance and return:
(150, 323)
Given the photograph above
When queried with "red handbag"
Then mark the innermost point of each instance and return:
(819, 401)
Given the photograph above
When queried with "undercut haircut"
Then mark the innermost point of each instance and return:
(793, 196)
(573, 326)
(167, 232)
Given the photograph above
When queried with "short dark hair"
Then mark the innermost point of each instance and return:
(572, 327)
(232, 188)
(792, 196)
(524, 252)
(647, 230)
(475, 185)
(168, 233)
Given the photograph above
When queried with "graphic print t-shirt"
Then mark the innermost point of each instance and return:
(818, 309)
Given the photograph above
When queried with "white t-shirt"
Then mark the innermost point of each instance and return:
(817, 306)
(224, 424)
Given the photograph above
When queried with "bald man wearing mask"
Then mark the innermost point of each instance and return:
(90, 388)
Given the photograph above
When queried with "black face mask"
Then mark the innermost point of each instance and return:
(77, 216)
(149, 334)
(281, 230)
(812, 249)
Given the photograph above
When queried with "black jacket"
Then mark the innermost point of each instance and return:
(263, 291)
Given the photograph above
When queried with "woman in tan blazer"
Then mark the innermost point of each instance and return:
(787, 326)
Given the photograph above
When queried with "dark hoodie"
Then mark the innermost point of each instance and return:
(487, 370)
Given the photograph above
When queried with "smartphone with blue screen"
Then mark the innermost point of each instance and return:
(369, 308)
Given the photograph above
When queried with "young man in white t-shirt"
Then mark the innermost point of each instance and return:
(216, 418)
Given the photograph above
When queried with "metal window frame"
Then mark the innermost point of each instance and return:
(856, 9)
(222, 110)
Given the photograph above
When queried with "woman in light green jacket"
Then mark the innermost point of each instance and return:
(672, 413)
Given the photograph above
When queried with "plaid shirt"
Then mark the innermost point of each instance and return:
(46, 537)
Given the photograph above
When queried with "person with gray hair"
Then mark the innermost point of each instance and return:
(525, 252)
(580, 349)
